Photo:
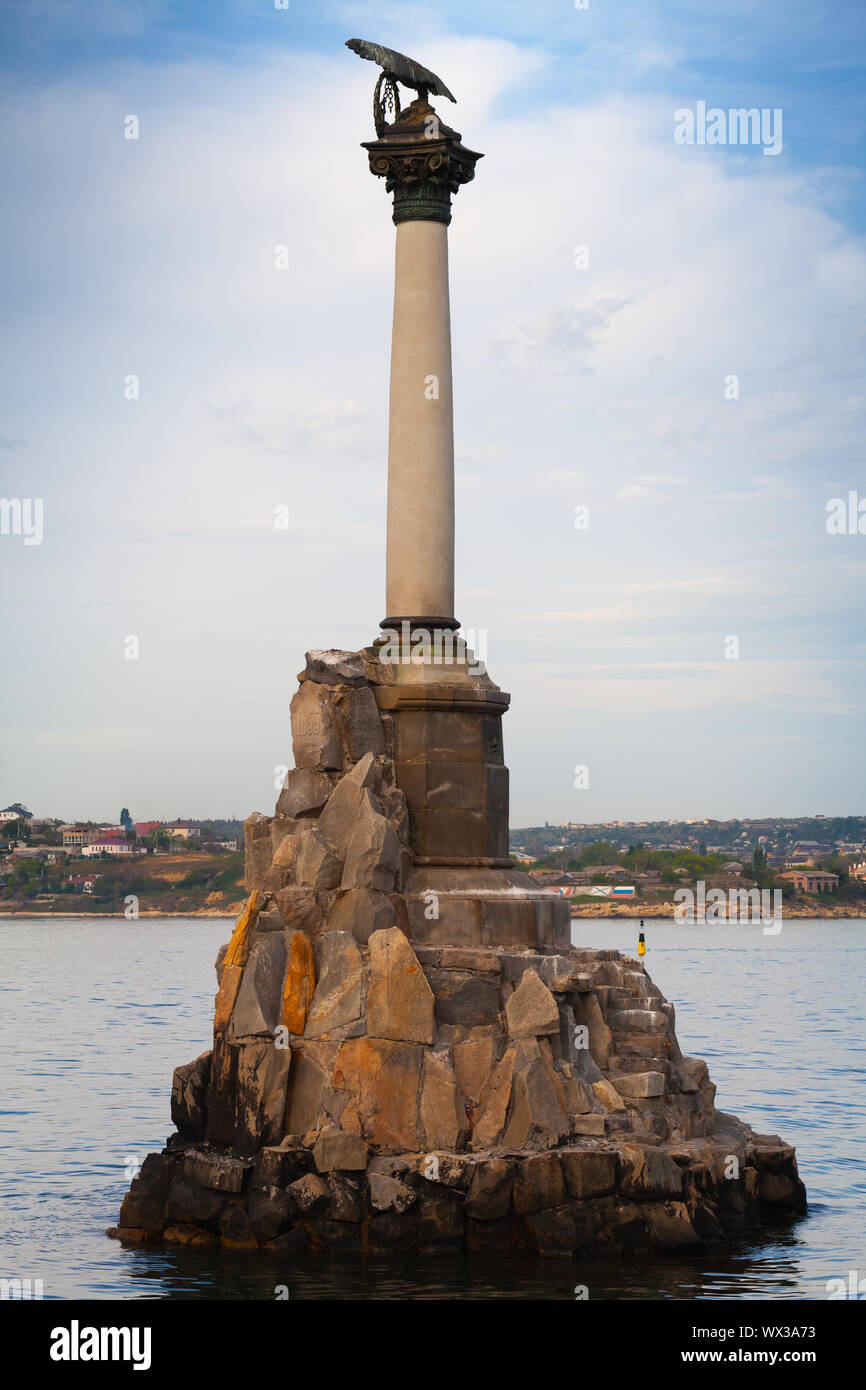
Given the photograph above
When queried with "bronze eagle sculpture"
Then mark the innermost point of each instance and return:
(396, 67)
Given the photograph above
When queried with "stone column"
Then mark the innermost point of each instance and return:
(420, 548)
(423, 163)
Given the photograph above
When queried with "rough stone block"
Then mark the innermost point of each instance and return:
(669, 1225)
(219, 1171)
(474, 1061)
(361, 911)
(587, 1012)
(309, 1193)
(648, 1173)
(609, 1096)
(259, 1002)
(640, 1085)
(316, 866)
(258, 851)
(299, 909)
(189, 1089)
(443, 1116)
(305, 792)
(531, 1010)
(537, 1117)
(334, 667)
(262, 1077)
(373, 854)
(270, 1212)
(346, 1200)
(440, 1222)
(337, 820)
(315, 733)
(360, 724)
(222, 1099)
(489, 1194)
(338, 998)
(539, 1182)
(588, 1125)
(188, 1203)
(399, 999)
(552, 1231)
(285, 853)
(335, 1149)
(390, 1194)
(588, 1172)
(465, 997)
(382, 1080)
(144, 1204)
(309, 1078)
(230, 983)
(275, 1166)
(489, 1122)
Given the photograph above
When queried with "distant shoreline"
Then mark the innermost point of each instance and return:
(213, 914)
(602, 911)
(812, 909)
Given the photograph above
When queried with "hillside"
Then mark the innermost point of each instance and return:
(165, 885)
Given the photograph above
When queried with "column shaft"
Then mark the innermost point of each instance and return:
(420, 541)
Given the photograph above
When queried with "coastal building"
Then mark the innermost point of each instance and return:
(77, 836)
(121, 849)
(816, 881)
(182, 830)
(147, 827)
(111, 832)
(82, 883)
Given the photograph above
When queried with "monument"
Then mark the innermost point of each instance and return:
(408, 1053)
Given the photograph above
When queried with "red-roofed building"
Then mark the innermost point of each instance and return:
(83, 882)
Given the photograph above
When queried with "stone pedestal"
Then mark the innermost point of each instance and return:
(409, 1055)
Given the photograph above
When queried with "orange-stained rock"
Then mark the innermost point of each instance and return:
(239, 946)
(230, 983)
(399, 1000)
(382, 1079)
(300, 983)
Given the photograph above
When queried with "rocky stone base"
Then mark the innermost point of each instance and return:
(409, 1055)
(449, 1098)
(588, 1197)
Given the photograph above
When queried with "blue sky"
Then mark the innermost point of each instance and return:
(600, 387)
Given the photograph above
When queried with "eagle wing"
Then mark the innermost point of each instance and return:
(397, 65)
